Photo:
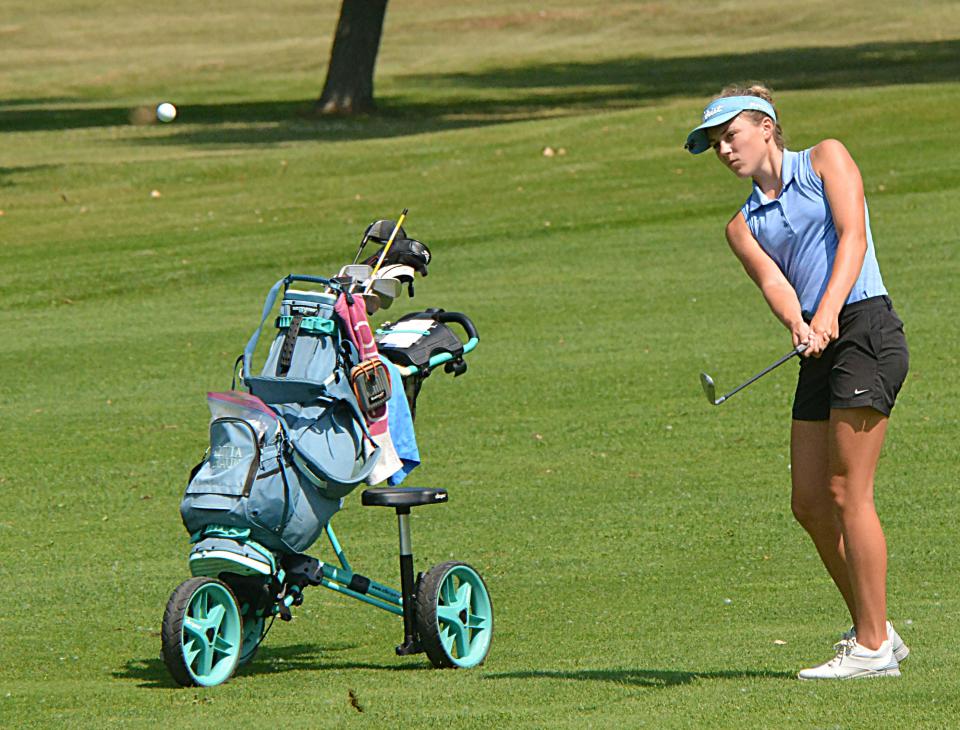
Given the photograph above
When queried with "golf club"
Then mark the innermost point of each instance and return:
(387, 290)
(357, 272)
(386, 249)
(711, 391)
(375, 231)
(380, 294)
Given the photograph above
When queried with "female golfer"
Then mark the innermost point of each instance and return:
(804, 238)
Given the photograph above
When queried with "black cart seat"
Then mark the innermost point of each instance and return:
(402, 496)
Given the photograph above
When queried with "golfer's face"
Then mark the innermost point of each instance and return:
(739, 145)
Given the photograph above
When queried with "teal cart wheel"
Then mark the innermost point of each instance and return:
(202, 633)
(454, 616)
(252, 633)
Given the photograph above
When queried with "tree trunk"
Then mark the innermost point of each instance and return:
(349, 85)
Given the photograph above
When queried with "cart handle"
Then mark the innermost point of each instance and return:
(454, 317)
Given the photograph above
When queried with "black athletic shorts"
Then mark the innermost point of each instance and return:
(864, 366)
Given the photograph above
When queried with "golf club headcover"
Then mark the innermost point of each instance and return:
(400, 272)
(381, 230)
(406, 251)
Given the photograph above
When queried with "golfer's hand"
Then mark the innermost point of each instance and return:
(801, 336)
(824, 329)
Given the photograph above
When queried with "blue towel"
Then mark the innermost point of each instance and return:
(401, 427)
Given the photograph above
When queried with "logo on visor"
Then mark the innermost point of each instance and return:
(722, 108)
(712, 112)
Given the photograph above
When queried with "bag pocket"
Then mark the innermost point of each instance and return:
(232, 463)
(300, 368)
(225, 477)
(314, 356)
(245, 485)
(328, 446)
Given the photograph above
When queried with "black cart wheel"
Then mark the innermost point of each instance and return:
(454, 616)
(202, 633)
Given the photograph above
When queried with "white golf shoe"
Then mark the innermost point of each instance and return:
(854, 661)
(900, 650)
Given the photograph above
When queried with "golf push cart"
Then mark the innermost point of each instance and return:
(324, 414)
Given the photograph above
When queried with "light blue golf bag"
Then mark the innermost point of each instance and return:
(282, 457)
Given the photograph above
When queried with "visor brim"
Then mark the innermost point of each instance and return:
(698, 140)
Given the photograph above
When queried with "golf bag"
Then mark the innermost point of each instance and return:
(282, 457)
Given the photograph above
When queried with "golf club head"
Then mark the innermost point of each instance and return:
(371, 302)
(357, 272)
(389, 288)
(386, 290)
(380, 231)
(709, 389)
(343, 282)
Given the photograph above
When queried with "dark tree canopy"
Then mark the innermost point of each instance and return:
(349, 85)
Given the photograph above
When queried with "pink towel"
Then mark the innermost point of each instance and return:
(354, 316)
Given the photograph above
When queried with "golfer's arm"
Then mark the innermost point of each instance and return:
(843, 188)
(780, 296)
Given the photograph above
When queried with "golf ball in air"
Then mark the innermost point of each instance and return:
(166, 112)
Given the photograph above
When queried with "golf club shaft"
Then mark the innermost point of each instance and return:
(386, 248)
(363, 243)
(795, 351)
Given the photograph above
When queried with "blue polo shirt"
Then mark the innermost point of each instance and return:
(796, 230)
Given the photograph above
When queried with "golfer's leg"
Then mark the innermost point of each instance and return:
(812, 500)
(856, 436)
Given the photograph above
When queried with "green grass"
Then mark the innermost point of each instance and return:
(609, 509)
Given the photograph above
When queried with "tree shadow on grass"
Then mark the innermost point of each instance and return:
(653, 678)
(153, 674)
(436, 102)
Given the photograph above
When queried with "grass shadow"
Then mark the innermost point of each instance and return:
(654, 678)
(152, 673)
(436, 102)
(645, 79)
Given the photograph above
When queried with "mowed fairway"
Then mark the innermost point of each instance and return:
(638, 544)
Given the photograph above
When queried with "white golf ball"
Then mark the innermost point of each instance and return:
(166, 112)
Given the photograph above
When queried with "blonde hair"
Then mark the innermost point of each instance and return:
(764, 93)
